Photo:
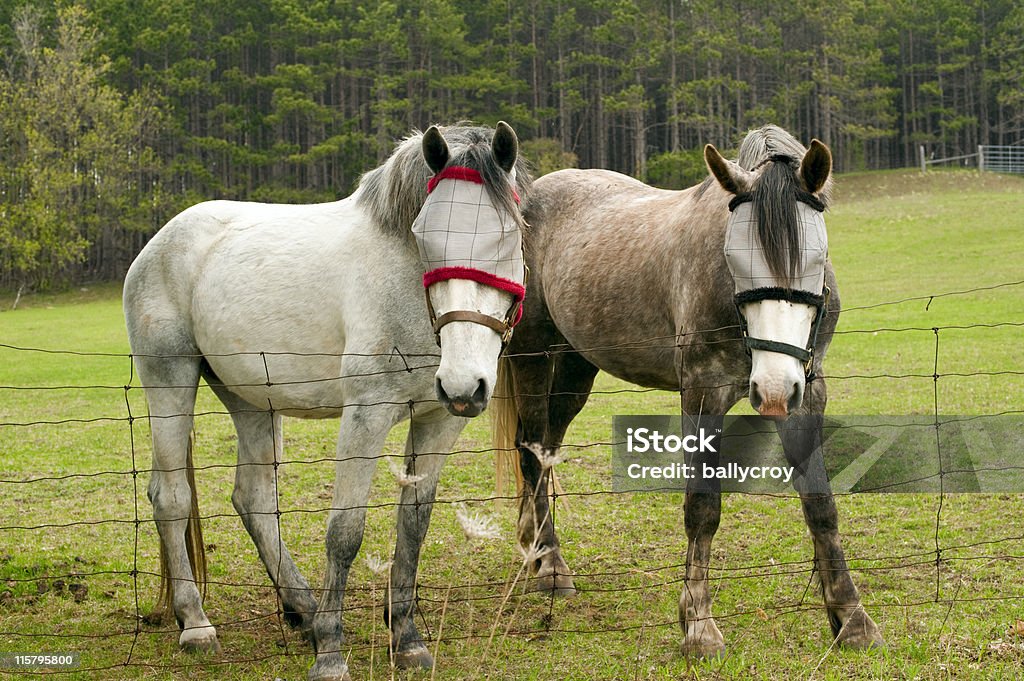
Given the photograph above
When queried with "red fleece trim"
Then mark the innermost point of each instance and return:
(455, 173)
(486, 278)
(460, 173)
(517, 290)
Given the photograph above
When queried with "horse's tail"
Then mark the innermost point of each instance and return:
(504, 423)
(194, 545)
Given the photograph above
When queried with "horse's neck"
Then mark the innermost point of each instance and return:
(693, 233)
(700, 289)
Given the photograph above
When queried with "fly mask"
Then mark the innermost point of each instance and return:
(461, 234)
(755, 281)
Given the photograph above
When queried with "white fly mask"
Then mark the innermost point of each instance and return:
(754, 280)
(746, 259)
(461, 234)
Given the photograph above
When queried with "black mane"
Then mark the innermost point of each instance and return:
(774, 196)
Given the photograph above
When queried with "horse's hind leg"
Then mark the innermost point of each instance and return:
(260, 446)
(802, 441)
(428, 445)
(171, 384)
(543, 423)
(702, 512)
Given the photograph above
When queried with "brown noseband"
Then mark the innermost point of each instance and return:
(502, 327)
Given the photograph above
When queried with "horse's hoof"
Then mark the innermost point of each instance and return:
(556, 585)
(702, 639)
(698, 650)
(414, 658)
(332, 670)
(200, 641)
(861, 644)
(860, 633)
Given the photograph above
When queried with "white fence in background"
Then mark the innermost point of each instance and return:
(1001, 159)
(995, 158)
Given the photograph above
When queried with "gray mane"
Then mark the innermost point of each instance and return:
(774, 196)
(394, 192)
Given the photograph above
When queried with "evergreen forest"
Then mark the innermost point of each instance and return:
(116, 114)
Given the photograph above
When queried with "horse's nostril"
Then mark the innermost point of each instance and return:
(481, 392)
(442, 396)
(796, 398)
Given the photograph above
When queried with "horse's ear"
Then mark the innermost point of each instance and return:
(816, 166)
(733, 179)
(505, 146)
(435, 149)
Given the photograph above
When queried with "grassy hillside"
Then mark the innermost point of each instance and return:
(72, 510)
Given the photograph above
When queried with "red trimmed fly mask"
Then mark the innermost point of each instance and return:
(461, 234)
(755, 281)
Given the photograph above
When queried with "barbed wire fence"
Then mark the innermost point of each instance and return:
(46, 516)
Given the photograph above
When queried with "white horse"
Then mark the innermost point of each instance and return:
(318, 312)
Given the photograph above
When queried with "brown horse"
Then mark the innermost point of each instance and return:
(632, 280)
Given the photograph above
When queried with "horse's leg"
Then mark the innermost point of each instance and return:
(702, 512)
(260, 446)
(802, 441)
(170, 411)
(430, 441)
(532, 376)
(363, 430)
(543, 424)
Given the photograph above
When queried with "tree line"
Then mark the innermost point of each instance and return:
(114, 114)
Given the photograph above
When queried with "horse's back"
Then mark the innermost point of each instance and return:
(605, 210)
(567, 193)
(608, 255)
(284, 290)
(166, 275)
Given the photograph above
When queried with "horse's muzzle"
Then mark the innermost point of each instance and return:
(774, 404)
(467, 406)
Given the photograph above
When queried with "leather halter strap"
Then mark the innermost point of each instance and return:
(502, 327)
(783, 348)
(804, 355)
(469, 316)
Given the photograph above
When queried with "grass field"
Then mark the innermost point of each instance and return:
(942, 576)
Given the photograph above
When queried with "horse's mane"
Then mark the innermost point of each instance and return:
(775, 194)
(394, 192)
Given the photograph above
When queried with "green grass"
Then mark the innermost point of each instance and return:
(893, 236)
(900, 235)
